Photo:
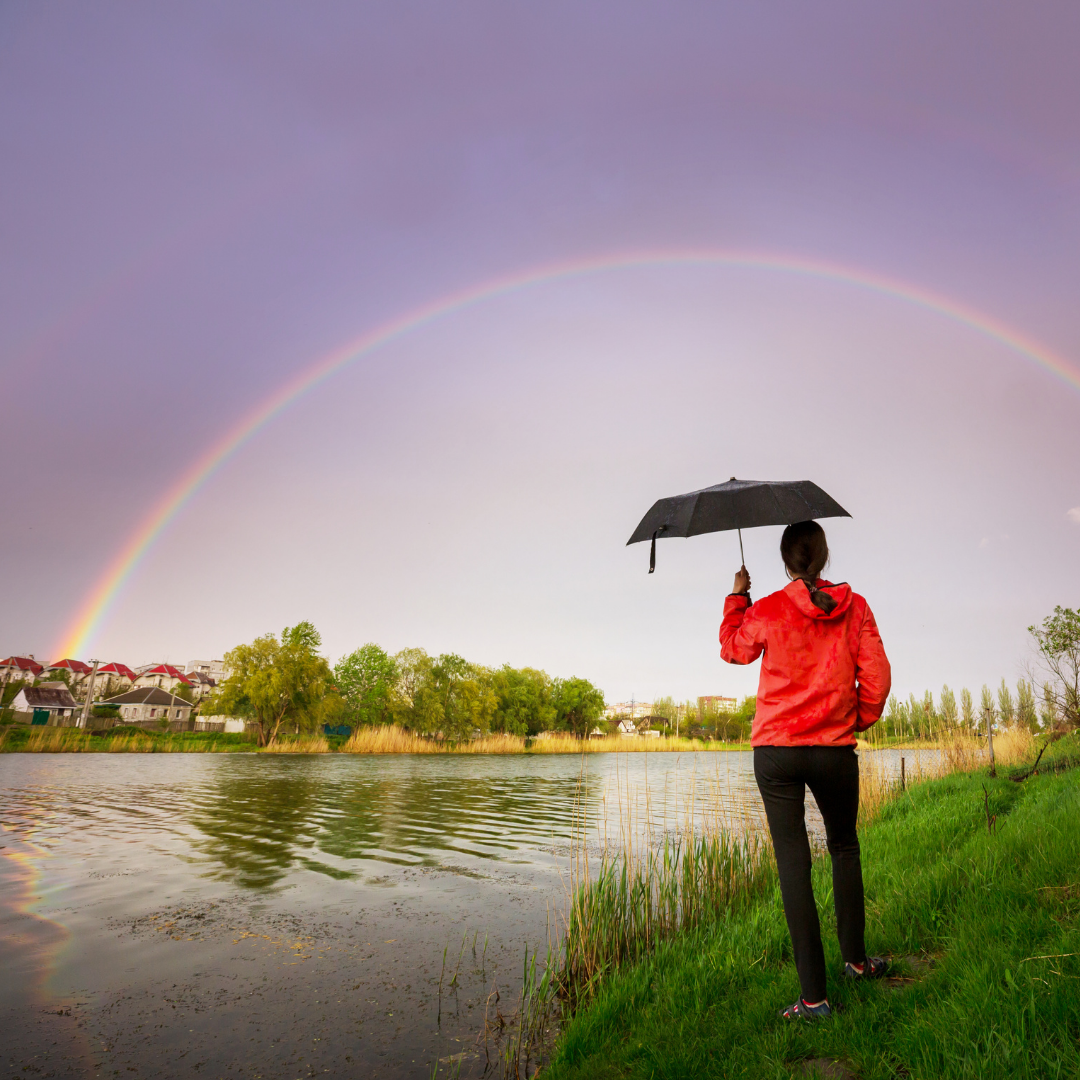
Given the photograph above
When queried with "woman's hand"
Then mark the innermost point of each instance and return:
(742, 582)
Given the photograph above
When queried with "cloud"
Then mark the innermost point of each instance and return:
(1073, 514)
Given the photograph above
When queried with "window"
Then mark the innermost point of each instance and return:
(177, 714)
(153, 712)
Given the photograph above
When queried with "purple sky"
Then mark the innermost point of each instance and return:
(199, 200)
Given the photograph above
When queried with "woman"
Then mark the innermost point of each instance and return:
(824, 676)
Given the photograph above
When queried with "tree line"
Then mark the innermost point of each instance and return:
(284, 683)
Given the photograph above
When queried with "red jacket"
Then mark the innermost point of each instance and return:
(823, 677)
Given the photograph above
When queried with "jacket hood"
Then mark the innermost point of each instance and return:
(799, 594)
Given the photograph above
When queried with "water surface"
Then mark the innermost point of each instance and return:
(278, 916)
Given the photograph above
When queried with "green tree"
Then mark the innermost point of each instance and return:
(366, 679)
(185, 693)
(412, 699)
(1026, 714)
(273, 681)
(967, 709)
(1057, 642)
(895, 718)
(949, 716)
(929, 712)
(1048, 715)
(578, 704)
(917, 718)
(458, 698)
(988, 713)
(743, 719)
(524, 704)
(1006, 707)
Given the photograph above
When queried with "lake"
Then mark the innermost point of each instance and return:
(171, 915)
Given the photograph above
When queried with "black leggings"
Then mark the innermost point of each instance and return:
(832, 772)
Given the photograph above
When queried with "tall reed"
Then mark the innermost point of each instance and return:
(302, 744)
(621, 744)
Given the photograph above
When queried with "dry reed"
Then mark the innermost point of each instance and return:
(303, 744)
(621, 744)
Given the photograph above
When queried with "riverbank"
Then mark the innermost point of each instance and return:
(18, 738)
(972, 890)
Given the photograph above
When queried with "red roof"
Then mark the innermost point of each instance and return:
(117, 669)
(76, 666)
(167, 670)
(23, 663)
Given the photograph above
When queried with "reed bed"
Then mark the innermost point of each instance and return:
(621, 744)
(302, 744)
(389, 739)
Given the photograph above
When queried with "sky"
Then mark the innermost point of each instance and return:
(398, 317)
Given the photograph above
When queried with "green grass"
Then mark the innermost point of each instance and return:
(18, 738)
(981, 905)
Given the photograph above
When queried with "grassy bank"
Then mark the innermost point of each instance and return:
(973, 888)
(390, 739)
(18, 738)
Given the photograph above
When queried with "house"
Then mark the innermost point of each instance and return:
(164, 676)
(113, 679)
(75, 670)
(626, 727)
(150, 703)
(45, 702)
(716, 703)
(202, 684)
(215, 669)
(20, 669)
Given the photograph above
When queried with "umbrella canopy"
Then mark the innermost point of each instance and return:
(737, 504)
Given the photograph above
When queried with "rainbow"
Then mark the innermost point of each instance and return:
(98, 603)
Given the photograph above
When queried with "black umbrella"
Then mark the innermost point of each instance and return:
(738, 504)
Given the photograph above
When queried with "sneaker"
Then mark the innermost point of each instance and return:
(801, 1011)
(873, 968)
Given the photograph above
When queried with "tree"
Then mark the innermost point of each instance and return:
(929, 711)
(523, 701)
(1057, 642)
(744, 717)
(411, 699)
(916, 716)
(949, 716)
(578, 704)
(1025, 705)
(272, 681)
(895, 716)
(1049, 708)
(967, 709)
(365, 679)
(1006, 708)
(989, 714)
(185, 693)
(459, 697)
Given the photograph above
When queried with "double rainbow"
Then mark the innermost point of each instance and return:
(98, 603)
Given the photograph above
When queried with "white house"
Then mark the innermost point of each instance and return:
(150, 703)
(161, 675)
(201, 683)
(18, 669)
(215, 669)
(626, 727)
(54, 698)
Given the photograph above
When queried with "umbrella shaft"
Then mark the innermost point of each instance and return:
(741, 555)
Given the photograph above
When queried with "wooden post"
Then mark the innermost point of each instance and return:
(903, 782)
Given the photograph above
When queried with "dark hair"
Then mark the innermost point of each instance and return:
(805, 552)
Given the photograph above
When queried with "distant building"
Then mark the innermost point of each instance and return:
(201, 683)
(113, 678)
(626, 727)
(150, 703)
(163, 676)
(55, 700)
(19, 669)
(214, 669)
(719, 704)
(75, 670)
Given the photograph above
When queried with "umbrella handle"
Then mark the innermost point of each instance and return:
(741, 555)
